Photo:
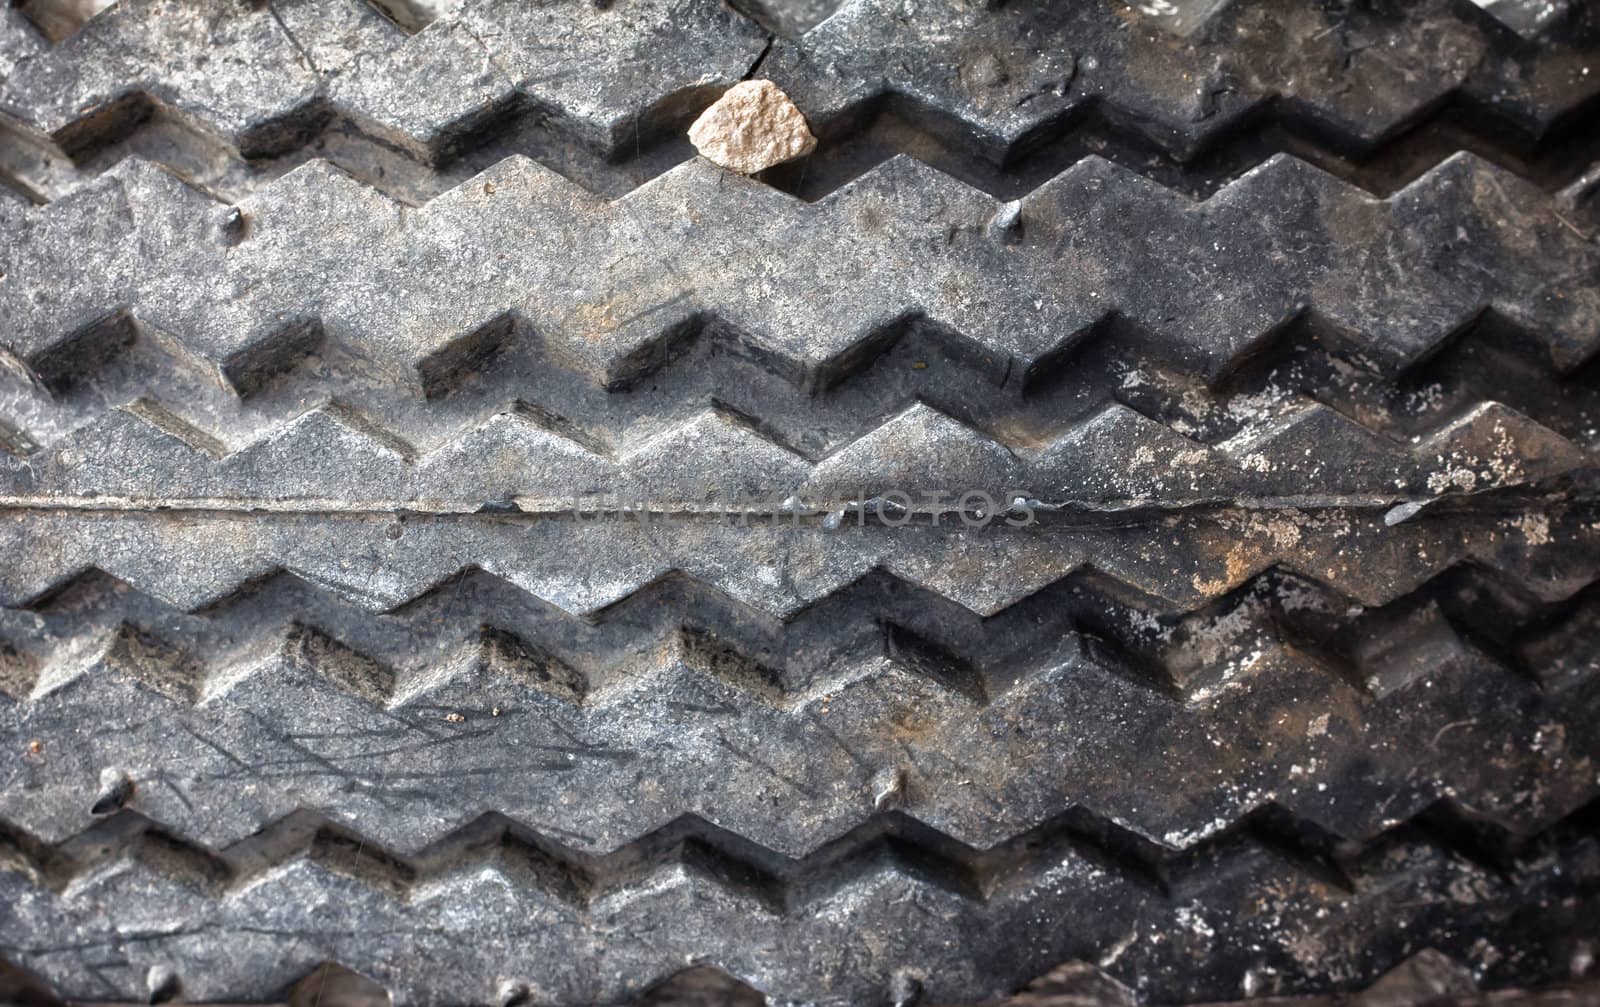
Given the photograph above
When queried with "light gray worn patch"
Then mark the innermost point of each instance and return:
(1526, 17)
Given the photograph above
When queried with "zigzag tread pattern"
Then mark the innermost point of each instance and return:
(479, 82)
(313, 280)
(331, 458)
(308, 500)
(780, 565)
(715, 882)
(877, 692)
(711, 384)
(118, 362)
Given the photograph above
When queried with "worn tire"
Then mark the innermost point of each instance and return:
(457, 534)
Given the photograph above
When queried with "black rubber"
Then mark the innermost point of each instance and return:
(1125, 505)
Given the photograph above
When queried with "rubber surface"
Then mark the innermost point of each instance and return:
(1128, 497)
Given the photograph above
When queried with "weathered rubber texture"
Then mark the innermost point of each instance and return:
(574, 566)
(1194, 93)
(1425, 977)
(451, 308)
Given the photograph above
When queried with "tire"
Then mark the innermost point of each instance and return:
(1123, 510)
